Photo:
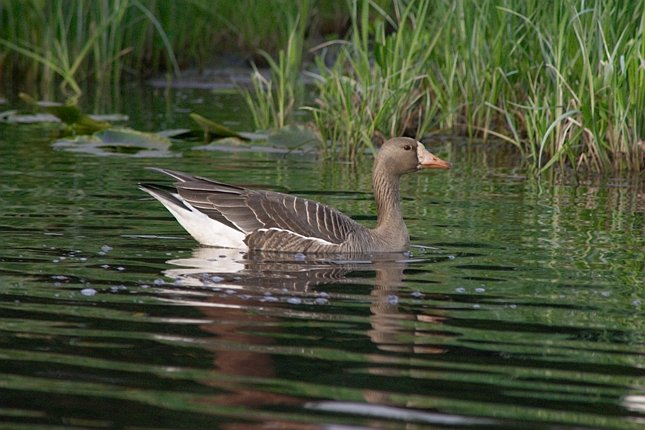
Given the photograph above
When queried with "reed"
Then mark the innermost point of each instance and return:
(378, 86)
(562, 81)
(273, 98)
(71, 41)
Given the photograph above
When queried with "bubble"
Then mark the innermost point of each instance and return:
(88, 292)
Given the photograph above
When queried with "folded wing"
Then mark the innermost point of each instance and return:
(269, 214)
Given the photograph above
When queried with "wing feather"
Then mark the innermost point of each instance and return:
(280, 216)
(275, 239)
(321, 221)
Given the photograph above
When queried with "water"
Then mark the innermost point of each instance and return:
(521, 305)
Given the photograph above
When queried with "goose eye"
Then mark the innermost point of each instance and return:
(407, 147)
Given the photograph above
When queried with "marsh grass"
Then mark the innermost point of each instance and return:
(562, 81)
(378, 86)
(73, 42)
(584, 84)
(273, 98)
(67, 42)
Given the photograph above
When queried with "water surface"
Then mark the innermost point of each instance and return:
(520, 306)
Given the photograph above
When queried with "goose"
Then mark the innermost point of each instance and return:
(229, 216)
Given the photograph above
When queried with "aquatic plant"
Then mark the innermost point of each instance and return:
(71, 40)
(77, 42)
(563, 82)
(273, 98)
(581, 82)
(378, 86)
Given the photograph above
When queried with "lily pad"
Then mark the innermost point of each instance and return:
(232, 144)
(213, 129)
(122, 142)
(69, 114)
(287, 140)
(179, 133)
(15, 117)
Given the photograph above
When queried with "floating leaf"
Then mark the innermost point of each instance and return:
(69, 114)
(118, 142)
(110, 117)
(13, 117)
(287, 140)
(7, 115)
(181, 133)
(232, 144)
(213, 129)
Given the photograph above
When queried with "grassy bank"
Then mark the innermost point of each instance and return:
(563, 81)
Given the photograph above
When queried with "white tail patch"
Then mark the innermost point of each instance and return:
(200, 226)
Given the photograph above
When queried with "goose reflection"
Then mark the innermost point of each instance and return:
(247, 297)
(257, 271)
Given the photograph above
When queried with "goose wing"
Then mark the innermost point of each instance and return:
(278, 215)
(303, 217)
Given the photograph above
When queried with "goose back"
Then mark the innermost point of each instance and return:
(271, 220)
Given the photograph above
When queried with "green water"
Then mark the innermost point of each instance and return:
(521, 305)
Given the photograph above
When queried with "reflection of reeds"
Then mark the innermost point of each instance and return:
(562, 81)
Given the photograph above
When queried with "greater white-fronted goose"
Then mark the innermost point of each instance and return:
(222, 215)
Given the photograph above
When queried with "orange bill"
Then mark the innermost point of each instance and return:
(427, 160)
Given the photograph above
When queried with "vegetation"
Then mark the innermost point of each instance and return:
(273, 99)
(562, 81)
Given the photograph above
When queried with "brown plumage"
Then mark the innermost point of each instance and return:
(219, 214)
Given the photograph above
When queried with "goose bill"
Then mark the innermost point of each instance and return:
(428, 160)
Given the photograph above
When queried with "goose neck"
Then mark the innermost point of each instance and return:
(387, 195)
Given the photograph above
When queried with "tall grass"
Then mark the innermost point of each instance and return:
(562, 81)
(273, 98)
(71, 41)
(378, 86)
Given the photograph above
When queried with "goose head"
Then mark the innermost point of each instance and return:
(405, 155)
